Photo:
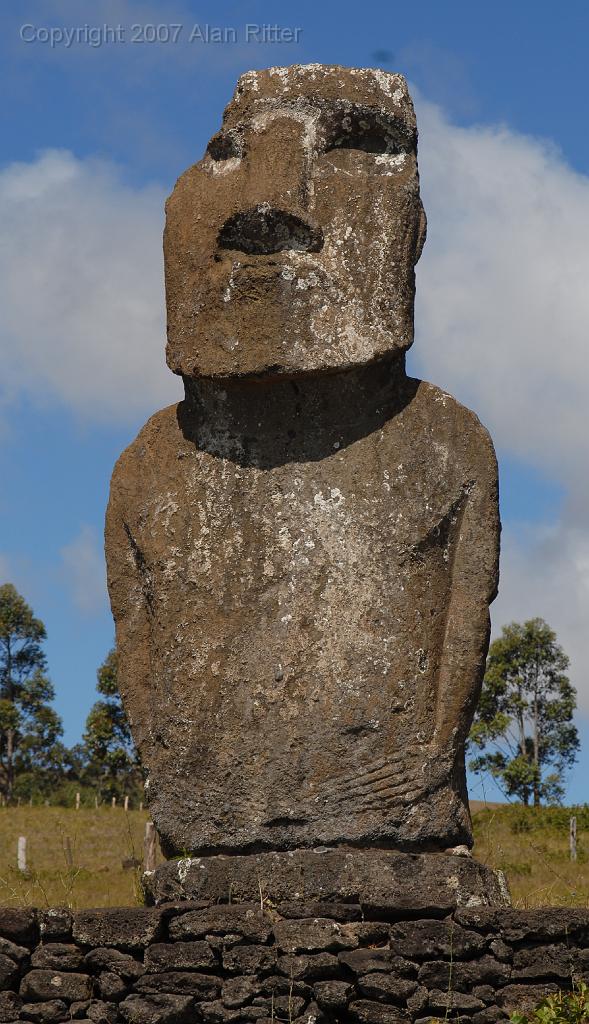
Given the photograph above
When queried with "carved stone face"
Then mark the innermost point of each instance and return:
(290, 247)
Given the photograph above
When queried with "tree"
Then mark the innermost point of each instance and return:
(30, 730)
(524, 720)
(112, 764)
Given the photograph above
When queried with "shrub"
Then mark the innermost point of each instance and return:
(561, 1008)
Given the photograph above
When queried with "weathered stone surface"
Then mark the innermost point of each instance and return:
(16, 953)
(313, 935)
(277, 984)
(123, 964)
(538, 926)
(10, 1004)
(518, 926)
(45, 1013)
(55, 924)
(370, 933)
(337, 911)
(333, 995)
(483, 970)
(216, 1012)
(418, 1001)
(426, 939)
(79, 1009)
(547, 961)
(364, 961)
(313, 1014)
(102, 1012)
(310, 968)
(452, 1001)
(244, 919)
(367, 1012)
(382, 882)
(203, 986)
(523, 997)
(249, 959)
(239, 991)
(181, 956)
(8, 971)
(111, 987)
(20, 925)
(484, 992)
(158, 1009)
(286, 1007)
(59, 956)
(501, 950)
(125, 927)
(302, 553)
(448, 971)
(46, 986)
(387, 988)
(490, 1015)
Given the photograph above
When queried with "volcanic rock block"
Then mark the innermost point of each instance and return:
(126, 927)
(301, 554)
(379, 881)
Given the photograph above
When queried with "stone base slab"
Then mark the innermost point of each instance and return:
(380, 881)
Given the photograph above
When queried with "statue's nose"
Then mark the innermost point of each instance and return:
(274, 193)
(266, 229)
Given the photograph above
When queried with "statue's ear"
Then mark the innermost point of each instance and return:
(421, 232)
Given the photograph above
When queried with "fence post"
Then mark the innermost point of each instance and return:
(573, 837)
(77, 801)
(149, 847)
(126, 804)
(141, 805)
(21, 855)
(114, 801)
(96, 802)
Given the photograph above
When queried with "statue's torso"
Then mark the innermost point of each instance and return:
(297, 616)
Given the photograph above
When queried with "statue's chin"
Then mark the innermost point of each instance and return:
(253, 339)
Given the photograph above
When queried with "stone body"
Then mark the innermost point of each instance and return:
(302, 553)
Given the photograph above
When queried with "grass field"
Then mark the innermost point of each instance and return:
(75, 858)
(532, 848)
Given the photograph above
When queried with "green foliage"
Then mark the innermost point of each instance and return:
(523, 724)
(561, 1008)
(109, 758)
(31, 753)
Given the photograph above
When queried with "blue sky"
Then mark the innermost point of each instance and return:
(92, 140)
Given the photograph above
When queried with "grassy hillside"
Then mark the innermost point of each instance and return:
(76, 857)
(532, 848)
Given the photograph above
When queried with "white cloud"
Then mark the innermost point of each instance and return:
(502, 321)
(81, 288)
(503, 304)
(84, 571)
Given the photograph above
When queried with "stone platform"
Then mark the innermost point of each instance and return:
(379, 881)
(301, 963)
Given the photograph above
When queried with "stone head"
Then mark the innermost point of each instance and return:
(290, 247)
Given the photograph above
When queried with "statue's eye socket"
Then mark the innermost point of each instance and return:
(224, 146)
(367, 137)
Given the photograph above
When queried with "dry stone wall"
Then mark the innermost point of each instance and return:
(296, 962)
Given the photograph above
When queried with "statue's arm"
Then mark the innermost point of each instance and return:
(129, 599)
(475, 573)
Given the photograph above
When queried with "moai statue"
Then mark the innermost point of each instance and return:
(302, 553)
